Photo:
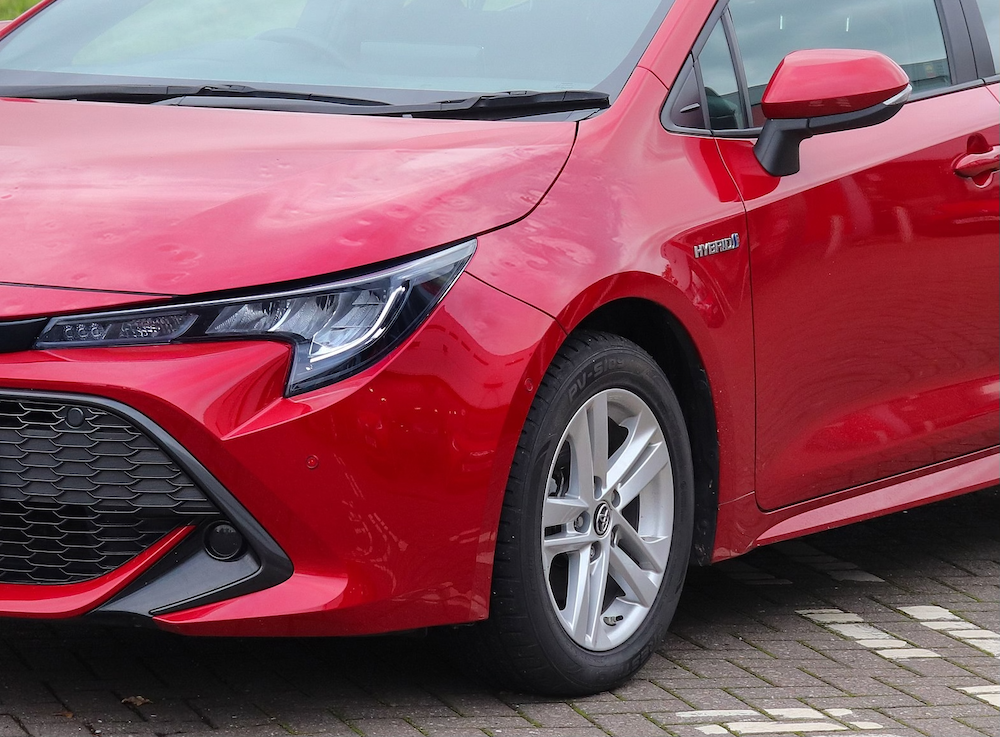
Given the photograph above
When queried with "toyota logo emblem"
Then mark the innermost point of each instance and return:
(602, 519)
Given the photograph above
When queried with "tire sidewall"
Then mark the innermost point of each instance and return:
(610, 364)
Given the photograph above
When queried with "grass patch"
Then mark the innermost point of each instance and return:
(13, 8)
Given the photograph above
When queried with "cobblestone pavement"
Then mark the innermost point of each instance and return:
(889, 628)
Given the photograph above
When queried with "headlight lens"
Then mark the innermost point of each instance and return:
(336, 329)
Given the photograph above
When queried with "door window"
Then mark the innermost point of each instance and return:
(907, 31)
(991, 19)
(710, 97)
(722, 91)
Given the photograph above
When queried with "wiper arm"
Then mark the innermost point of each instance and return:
(494, 106)
(502, 105)
(171, 93)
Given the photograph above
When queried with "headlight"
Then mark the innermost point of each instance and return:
(336, 329)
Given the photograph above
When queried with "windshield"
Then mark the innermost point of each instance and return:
(396, 51)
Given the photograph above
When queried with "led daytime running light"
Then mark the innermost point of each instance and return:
(336, 330)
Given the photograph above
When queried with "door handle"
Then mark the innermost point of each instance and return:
(971, 166)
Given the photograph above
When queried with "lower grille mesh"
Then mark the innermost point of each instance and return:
(83, 491)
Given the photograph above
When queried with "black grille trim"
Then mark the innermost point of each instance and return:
(272, 564)
(83, 491)
(20, 335)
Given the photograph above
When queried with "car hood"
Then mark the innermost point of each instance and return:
(178, 201)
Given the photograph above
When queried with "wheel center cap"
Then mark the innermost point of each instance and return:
(602, 519)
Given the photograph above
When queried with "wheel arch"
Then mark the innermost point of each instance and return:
(661, 334)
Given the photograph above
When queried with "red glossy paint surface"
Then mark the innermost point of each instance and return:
(817, 82)
(876, 328)
(375, 544)
(186, 200)
(742, 527)
(622, 222)
(850, 342)
(20, 302)
(672, 44)
(60, 602)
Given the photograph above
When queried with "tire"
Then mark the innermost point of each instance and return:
(587, 577)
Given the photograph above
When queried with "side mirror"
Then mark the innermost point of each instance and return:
(822, 91)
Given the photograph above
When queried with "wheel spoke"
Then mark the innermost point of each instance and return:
(597, 418)
(588, 438)
(641, 431)
(575, 612)
(588, 589)
(651, 551)
(633, 579)
(581, 474)
(654, 459)
(562, 510)
(565, 542)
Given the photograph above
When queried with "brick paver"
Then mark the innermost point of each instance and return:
(741, 658)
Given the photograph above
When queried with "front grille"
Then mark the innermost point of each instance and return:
(83, 490)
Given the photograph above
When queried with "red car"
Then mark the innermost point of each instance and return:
(337, 317)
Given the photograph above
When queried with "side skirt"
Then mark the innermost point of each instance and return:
(743, 526)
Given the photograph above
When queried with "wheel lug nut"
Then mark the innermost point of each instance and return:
(579, 523)
(594, 549)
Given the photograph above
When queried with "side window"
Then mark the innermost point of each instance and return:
(712, 89)
(722, 91)
(907, 31)
(990, 10)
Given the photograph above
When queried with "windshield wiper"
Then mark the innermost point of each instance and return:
(492, 106)
(502, 105)
(172, 93)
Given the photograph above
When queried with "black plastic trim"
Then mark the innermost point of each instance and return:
(736, 56)
(167, 586)
(957, 43)
(699, 44)
(20, 336)
(928, 94)
(980, 40)
(272, 564)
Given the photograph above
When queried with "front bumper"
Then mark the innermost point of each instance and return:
(368, 506)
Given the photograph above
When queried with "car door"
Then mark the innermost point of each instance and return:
(874, 269)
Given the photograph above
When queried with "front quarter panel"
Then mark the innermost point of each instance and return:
(623, 221)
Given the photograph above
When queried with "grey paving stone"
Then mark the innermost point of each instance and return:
(645, 706)
(946, 728)
(988, 725)
(55, 728)
(554, 715)
(734, 646)
(953, 711)
(445, 726)
(550, 732)
(384, 728)
(313, 722)
(9, 727)
(629, 725)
